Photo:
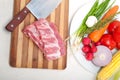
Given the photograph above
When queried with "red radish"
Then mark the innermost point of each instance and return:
(89, 48)
(86, 41)
(93, 48)
(89, 56)
(86, 48)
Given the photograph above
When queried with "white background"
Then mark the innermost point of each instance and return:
(74, 71)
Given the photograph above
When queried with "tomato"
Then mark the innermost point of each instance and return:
(113, 25)
(108, 41)
(116, 34)
(118, 45)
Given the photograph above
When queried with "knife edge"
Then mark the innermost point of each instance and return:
(42, 10)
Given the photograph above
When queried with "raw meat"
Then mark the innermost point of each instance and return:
(47, 38)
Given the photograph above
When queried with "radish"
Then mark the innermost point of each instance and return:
(89, 56)
(86, 41)
(93, 48)
(86, 48)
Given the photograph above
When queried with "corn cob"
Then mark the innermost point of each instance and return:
(107, 71)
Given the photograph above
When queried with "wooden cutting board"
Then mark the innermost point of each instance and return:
(24, 53)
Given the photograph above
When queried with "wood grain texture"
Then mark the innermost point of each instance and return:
(24, 53)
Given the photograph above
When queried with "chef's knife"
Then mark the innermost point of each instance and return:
(39, 8)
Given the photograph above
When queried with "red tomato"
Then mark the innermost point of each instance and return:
(116, 34)
(108, 41)
(113, 25)
(118, 45)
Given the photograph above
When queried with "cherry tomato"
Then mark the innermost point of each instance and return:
(118, 45)
(108, 41)
(113, 25)
(116, 34)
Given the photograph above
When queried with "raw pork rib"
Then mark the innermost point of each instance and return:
(47, 38)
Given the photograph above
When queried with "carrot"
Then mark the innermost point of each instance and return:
(97, 34)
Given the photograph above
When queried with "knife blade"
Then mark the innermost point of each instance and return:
(39, 8)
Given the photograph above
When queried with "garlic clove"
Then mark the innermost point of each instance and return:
(91, 21)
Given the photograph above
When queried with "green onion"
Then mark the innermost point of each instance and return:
(83, 26)
(97, 10)
(101, 8)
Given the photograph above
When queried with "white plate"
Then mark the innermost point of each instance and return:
(76, 50)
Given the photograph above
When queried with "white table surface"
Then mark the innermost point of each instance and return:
(73, 71)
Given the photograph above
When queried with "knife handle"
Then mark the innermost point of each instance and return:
(17, 19)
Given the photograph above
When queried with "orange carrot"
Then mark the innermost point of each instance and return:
(97, 34)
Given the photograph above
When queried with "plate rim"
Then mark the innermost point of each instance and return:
(76, 12)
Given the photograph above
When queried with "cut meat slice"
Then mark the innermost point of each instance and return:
(47, 38)
(60, 41)
(31, 31)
